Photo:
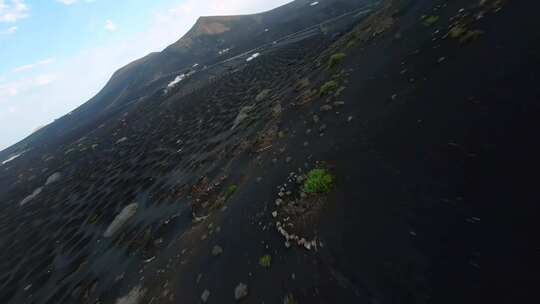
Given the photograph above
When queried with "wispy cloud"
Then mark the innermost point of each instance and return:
(9, 31)
(110, 26)
(67, 2)
(17, 87)
(31, 66)
(13, 10)
(70, 2)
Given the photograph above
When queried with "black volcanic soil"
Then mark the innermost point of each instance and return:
(431, 137)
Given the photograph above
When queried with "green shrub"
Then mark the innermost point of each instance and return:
(431, 20)
(230, 191)
(289, 299)
(265, 261)
(328, 87)
(318, 181)
(352, 43)
(335, 60)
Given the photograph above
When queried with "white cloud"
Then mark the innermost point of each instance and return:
(16, 87)
(23, 68)
(70, 2)
(13, 11)
(67, 2)
(31, 66)
(9, 31)
(45, 79)
(46, 61)
(110, 26)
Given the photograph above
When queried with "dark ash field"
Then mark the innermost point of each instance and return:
(425, 114)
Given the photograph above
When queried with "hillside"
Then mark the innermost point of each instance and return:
(365, 152)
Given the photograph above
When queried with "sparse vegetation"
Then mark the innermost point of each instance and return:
(335, 60)
(328, 87)
(289, 299)
(230, 191)
(265, 261)
(471, 36)
(352, 43)
(457, 31)
(318, 181)
(431, 20)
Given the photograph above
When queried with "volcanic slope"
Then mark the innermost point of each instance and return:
(422, 112)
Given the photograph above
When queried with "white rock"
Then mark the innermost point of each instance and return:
(217, 250)
(253, 57)
(121, 219)
(205, 295)
(176, 80)
(121, 140)
(133, 297)
(240, 291)
(53, 178)
(31, 196)
(243, 114)
(11, 158)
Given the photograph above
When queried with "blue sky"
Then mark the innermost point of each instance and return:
(56, 54)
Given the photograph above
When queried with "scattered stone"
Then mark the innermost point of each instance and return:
(322, 128)
(279, 202)
(217, 250)
(339, 103)
(315, 119)
(133, 297)
(306, 144)
(441, 59)
(205, 295)
(199, 277)
(121, 140)
(242, 115)
(274, 214)
(326, 108)
(288, 159)
(53, 178)
(121, 219)
(241, 291)
(262, 95)
(349, 119)
(31, 196)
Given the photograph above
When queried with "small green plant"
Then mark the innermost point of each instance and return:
(431, 20)
(335, 60)
(230, 191)
(265, 261)
(457, 31)
(318, 181)
(352, 43)
(328, 87)
(289, 299)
